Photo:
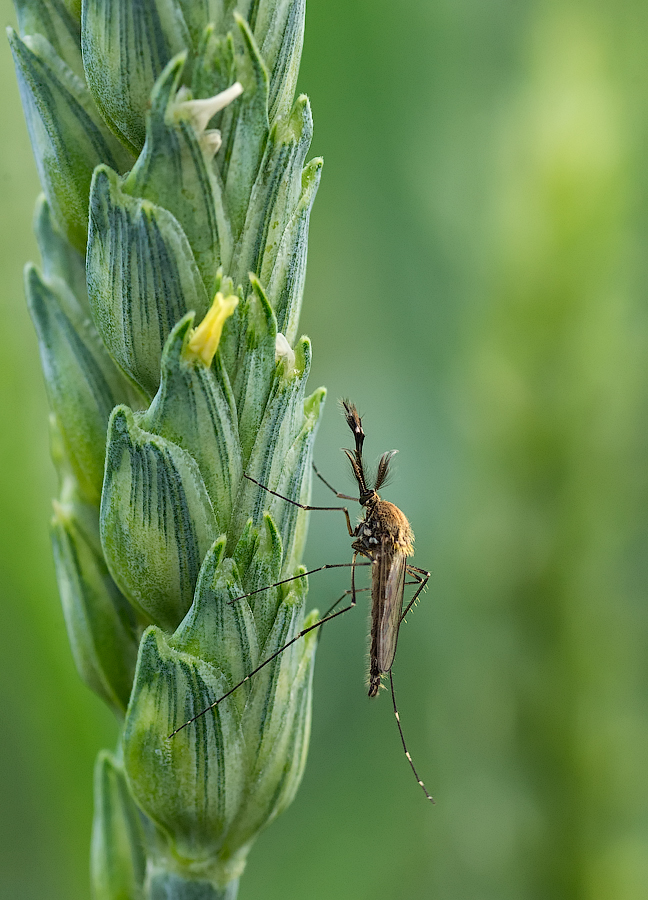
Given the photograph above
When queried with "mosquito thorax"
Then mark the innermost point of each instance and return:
(385, 522)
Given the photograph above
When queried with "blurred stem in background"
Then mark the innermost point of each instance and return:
(555, 375)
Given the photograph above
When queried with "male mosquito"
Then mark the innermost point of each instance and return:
(384, 537)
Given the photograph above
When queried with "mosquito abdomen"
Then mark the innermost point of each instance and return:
(375, 680)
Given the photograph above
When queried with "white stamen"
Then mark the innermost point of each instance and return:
(201, 111)
(211, 141)
(284, 352)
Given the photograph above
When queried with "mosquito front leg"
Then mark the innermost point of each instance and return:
(331, 488)
(308, 508)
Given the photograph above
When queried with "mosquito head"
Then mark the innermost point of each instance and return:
(367, 498)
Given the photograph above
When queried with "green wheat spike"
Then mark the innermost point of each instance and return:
(173, 229)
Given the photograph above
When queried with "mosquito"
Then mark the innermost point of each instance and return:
(384, 537)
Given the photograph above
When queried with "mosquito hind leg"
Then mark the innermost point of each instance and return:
(402, 737)
(422, 578)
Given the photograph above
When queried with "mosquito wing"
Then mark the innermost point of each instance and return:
(387, 603)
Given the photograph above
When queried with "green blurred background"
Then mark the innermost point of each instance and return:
(477, 285)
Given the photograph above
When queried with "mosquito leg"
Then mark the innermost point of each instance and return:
(402, 737)
(353, 589)
(353, 568)
(331, 488)
(272, 656)
(422, 580)
(345, 594)
(295, 577)
(303, 506)
(340, 599)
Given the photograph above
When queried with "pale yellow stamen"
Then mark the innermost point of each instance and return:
(206, 337)
(284, 353)
(211, 142)
(201, 111)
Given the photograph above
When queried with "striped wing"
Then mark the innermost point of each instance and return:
(387, 596)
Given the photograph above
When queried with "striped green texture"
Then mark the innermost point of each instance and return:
(155, 530)
(486, 169)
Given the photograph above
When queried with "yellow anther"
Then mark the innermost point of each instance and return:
(206, 337)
